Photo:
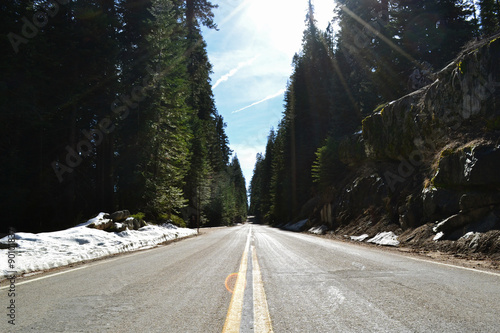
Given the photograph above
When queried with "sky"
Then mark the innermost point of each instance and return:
(252, 57)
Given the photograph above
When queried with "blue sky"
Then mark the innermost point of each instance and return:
(251, 56)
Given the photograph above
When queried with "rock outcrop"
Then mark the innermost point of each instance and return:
(120, 215)
(117, 222)
(429, 158)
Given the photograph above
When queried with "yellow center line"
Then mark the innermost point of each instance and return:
(262, 318)
(233, 318)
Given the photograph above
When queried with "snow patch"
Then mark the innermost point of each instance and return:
(474, 238)
(55, 249)
(438, 236)
(359, 238)
(321, 230)
(385, 238)
(98, 220)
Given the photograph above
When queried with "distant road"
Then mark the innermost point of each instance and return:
(287, 282)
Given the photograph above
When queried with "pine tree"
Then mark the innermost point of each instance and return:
(240, 191)
(166, 150)
(432, 31)
(363, 55)
(490, 16)
(135, 64)
(261, 183)
(313, 110)
(68, 73)
(256, 191)
(109, 97)
(280, 193)
(209, 147)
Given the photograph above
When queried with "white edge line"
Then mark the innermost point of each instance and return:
(401, 254)
(99, 262)
(451, 265)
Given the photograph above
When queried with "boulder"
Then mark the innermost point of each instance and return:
(129, 223)
(474, 200)
(364, 192)
(139, 224)
(392, 132)
(358, 196)
(451, 223)
(120, 215)
(102, 224)
(117, 222)
(457, 225)
(474, 166)
(489, 222)
(439, 203)
(410, 214)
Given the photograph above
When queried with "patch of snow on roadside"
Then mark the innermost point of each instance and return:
(321, 230)
(99, 219)
(359, 238)
(385, 238)
(438, 236)
(473, 237)
(54, 249)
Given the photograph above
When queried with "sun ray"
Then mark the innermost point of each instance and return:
(379, 35)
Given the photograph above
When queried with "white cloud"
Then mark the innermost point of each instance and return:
(279, 93)
(233, 71)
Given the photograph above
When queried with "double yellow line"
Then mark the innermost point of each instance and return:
(262, 319)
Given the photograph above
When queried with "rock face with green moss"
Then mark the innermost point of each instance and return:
(471, 167)
(465, 93)
(431, 157)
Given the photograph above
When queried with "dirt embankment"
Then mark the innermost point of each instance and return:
(479, 251)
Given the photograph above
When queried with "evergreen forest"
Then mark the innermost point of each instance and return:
(372, 53)
(108, 105)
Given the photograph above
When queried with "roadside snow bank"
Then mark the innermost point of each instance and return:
(385, 238)
(54, 249)
(321, 230)
(359, 238)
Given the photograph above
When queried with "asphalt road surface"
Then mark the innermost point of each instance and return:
(286, 282)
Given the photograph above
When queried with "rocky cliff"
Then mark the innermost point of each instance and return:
(427, 166)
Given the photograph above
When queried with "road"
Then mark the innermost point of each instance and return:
(287, 282)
